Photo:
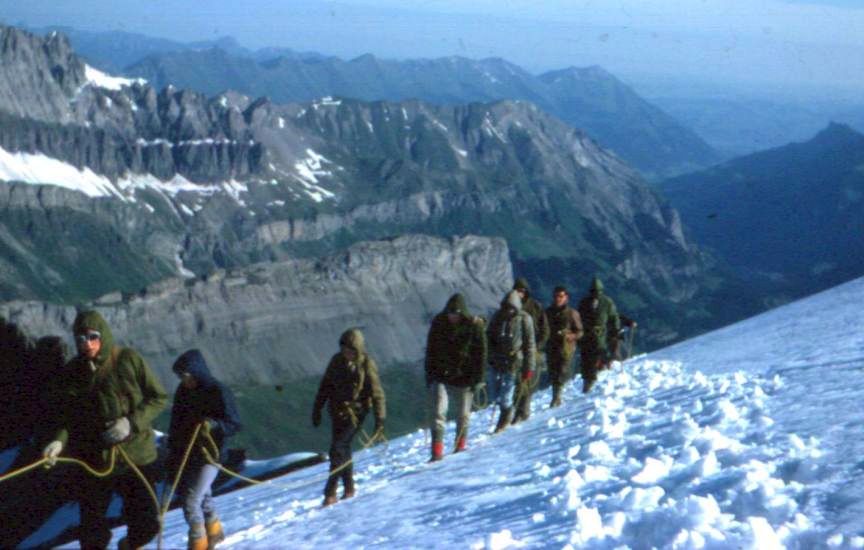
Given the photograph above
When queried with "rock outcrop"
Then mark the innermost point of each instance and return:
(269, 323)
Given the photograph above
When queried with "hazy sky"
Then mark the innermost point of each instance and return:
(766, 44)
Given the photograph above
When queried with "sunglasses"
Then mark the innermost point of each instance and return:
(88, 337)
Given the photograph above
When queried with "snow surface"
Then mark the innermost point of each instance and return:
(748, 437)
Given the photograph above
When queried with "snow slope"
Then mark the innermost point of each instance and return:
(748, 437)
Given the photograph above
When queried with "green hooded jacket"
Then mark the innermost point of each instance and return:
(456, 353)
(599, 319)
(92, 394)
(351, 386)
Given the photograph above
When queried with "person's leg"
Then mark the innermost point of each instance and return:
(438, 404)
(197, 500)
(464, 400)
(94, 497)
(590, 364)
(340, 456)
(507, 388)
(141, 513)
(556, 381)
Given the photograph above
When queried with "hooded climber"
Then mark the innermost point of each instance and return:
(108, 398)
(533, 308)
(512, 353)
(455, 361)
(601, 324)
(565, 327)
(200, 400)
(349, 388)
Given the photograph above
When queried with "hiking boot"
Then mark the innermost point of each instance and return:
(330, 500)
(197, 537)
(215, 534)
(587, 385)
(348, 494)
(123, 544)
(437, 451)
(461, 444)
(504, 420)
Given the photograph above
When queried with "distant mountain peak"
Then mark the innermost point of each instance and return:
(837, 131)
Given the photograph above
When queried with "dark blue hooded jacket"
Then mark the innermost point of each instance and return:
(209, 400)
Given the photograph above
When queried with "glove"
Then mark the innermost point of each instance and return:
(316, 417)
(52, 451)
(527, 375)
(117, 431)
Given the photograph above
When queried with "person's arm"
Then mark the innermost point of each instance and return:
(542, 330)
(479, 352)
(575, 329)
(373, 381)
(323, 394)
(529, 347)
(229, 421)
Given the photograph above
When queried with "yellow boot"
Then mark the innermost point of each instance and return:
(215, 534)
(197, 537)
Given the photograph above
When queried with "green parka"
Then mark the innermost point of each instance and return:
(456, 353)
(599, 318)
(535, 309)
(351, 388)
(510, 334)
(92, 394)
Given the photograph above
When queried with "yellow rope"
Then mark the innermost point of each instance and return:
(166, 498)
(214, 461)
(66, 460)
(143, 479)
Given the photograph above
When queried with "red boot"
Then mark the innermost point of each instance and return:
(461, 444)
(437, 451)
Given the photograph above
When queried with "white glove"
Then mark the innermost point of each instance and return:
(52, 451)
(117, 431)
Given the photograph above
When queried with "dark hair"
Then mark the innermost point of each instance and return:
(560, 289)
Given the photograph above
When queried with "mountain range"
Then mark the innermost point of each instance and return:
(793, 215)
(176, 182)
(588, 98)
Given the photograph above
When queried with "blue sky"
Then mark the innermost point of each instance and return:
(773, 44)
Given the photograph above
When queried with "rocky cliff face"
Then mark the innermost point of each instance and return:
(269, 323)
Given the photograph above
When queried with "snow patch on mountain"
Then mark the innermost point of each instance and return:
(308, 170)
(40, 169)
(99, 79)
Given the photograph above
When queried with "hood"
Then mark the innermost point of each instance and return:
(522, 284)
(193, 362)
(513, 300)
(93, 320)
(596, 286)
(353, 338)
(456, 304)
